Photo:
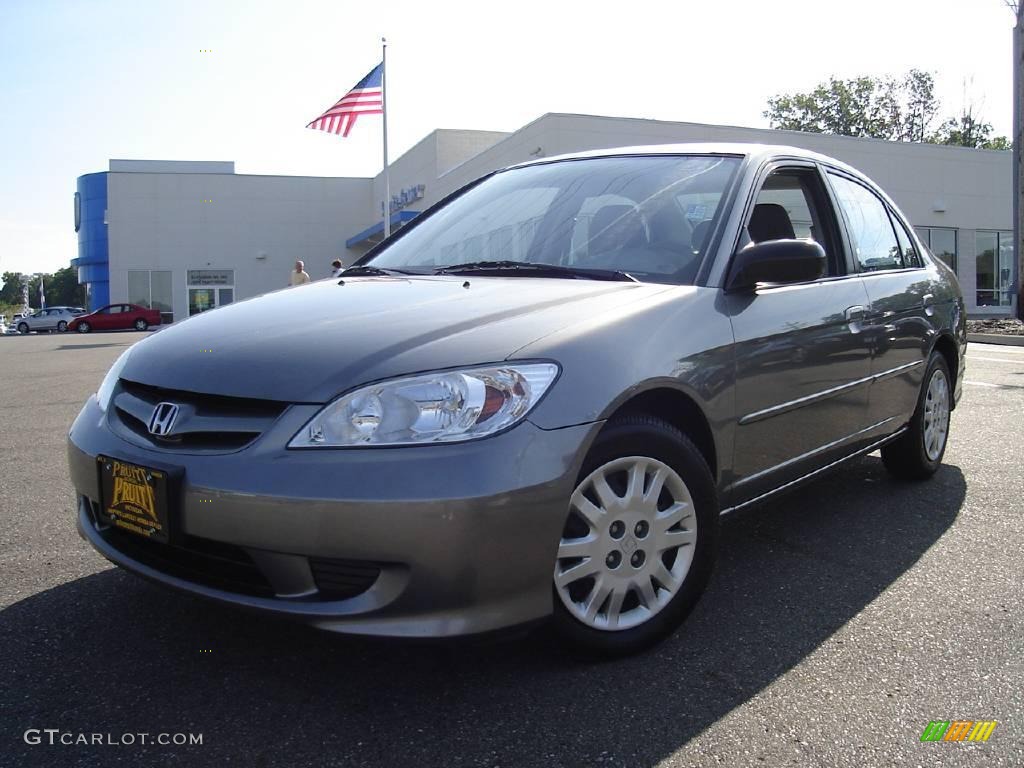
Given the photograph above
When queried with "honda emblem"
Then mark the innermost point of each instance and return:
(162, 421)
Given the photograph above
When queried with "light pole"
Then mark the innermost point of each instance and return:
(1018, 137)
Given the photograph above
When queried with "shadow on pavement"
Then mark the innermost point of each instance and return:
(93, 346)
(112, 653)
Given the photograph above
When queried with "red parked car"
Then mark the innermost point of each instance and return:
(115, 317)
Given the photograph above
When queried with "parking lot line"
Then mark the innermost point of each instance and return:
(996, 360)
(1001, 350)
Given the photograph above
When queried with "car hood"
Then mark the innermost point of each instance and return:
(310, 343)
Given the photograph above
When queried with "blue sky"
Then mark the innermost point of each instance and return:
(86, 81)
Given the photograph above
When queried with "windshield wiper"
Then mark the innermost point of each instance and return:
(372, 271)
(526, 268)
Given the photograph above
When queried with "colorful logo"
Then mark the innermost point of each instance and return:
(958, 730)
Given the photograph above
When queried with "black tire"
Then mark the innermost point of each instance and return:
(23, 328)
(62, 326)
(642, 435)
(907, 457)
(141, 325)
(84, 328)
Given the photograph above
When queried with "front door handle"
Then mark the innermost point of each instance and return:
(926, 302)
(855, 313)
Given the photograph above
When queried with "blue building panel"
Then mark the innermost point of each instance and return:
(93, 262)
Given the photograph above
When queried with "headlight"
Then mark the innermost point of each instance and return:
(441, 407)
(107, 387)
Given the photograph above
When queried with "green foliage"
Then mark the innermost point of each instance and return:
(966, 130)
(61, 289)
(894, 108)
(11, 292)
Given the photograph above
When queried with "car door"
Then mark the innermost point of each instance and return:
(103, 319)
(900, 292)
(129, 313)
(43, 320)
(802, 363)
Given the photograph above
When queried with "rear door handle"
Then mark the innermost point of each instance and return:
(926, 302)
(855, 313)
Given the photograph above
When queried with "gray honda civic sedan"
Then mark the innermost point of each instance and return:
(534, 402)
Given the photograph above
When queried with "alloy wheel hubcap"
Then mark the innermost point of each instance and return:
(936, 415)
(627, 545)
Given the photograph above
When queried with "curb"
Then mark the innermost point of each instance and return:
(996, 338)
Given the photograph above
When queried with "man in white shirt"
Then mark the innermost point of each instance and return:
(336, 268)
(299, 275)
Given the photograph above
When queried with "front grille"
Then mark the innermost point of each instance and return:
(340, 579)
(201, 561)
(227, 567)
(205, 423)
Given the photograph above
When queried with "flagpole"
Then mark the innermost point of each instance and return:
(384, 108)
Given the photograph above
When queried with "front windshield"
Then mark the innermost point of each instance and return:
(647, 216)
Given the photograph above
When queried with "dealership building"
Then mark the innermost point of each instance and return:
(184, 237)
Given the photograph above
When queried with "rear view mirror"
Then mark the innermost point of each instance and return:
(776, 261)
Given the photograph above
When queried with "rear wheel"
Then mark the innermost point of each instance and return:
(141, 325)
(84, 327)
(918, 453)
(62, 326)
(639, 542)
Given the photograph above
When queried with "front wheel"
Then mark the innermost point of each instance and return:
(22, 328)
(639, 541)
(62, 326)
(84, 328)
(918, 453)
(141, 325)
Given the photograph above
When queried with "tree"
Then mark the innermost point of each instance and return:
(920, 107)
(62, 288)
(882, 108)
(966, 130)
(856, 107)
(894, 108)
(11, 292)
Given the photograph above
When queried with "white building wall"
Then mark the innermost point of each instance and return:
(425, 163)
(256, 225)
(972, 187)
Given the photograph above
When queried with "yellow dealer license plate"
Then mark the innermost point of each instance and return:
(134, 498)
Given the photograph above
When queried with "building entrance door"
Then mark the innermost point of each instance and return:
(209, 289)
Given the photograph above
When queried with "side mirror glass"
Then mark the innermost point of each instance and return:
(776, 261)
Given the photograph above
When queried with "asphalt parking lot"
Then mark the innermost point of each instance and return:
(841, 619)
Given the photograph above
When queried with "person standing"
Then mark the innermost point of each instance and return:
(336, 268)
(299, 275)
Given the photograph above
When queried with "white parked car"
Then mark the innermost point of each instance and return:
(49, 319)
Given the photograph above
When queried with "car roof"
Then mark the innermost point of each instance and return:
(739, 149)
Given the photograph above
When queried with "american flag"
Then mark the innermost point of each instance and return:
(367, 98)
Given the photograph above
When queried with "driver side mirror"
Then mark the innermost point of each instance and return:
(776, 261)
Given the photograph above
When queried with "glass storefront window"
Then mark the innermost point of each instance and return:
(993, 268)
(151, 289)
(160, 292)
(138, 288)
(942, 243)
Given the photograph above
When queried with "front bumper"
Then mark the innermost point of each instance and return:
(449, 539)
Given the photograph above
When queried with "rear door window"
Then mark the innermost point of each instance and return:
(911, 258)
(872, 236)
